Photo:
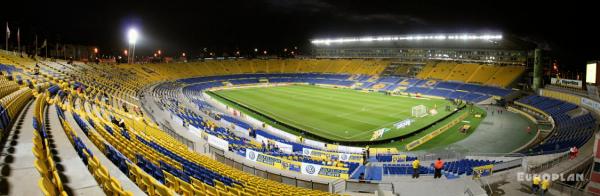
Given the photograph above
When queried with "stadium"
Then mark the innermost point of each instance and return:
(379, 114)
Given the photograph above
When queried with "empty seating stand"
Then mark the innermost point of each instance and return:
(568, 131)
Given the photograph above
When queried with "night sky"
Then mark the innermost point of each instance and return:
(567, 30)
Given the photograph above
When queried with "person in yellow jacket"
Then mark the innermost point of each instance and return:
(545, 186)
(535, 185)
(415, 165)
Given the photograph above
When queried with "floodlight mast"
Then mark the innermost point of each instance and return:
(132, 36)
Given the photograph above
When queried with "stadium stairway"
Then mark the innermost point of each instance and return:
(356, 174)
(373, 172)
(76, 178)
(113, 170)
(17, 159)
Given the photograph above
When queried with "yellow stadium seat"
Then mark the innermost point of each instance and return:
(42, 168)
(211, 190)
(57, 182)
(161, 190)
(48, 188)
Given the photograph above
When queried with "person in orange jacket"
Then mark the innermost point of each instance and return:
(438, 165)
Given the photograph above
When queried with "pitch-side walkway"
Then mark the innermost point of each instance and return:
(497, 133)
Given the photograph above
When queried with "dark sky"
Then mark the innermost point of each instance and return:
(567, 29)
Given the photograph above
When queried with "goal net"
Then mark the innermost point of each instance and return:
(419, 111)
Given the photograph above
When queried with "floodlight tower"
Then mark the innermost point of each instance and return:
(132, 35)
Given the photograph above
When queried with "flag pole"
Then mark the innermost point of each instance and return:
(36, 48)
(7, 34)
(19, 39)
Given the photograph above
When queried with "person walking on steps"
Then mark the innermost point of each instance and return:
(535, 184)
(545, 186)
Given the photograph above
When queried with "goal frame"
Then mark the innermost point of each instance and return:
(419, 111)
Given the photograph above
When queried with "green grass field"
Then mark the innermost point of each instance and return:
(336, 114)
(450, 136)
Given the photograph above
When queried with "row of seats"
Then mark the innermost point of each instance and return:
(11, 104)
(146, 182)
(227, 67)
(569, 130)
(165, 93)
(110, 185)
(465, 166)
(50, 182)
(453, 90)
(500, 76)
(458, 167)
(155, 155)
(113, 93)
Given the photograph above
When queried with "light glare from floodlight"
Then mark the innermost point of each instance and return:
(132, 35)
(439, 37)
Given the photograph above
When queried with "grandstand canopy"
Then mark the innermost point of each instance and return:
(466, 41)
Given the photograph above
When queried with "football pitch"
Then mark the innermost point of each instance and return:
(337, 114)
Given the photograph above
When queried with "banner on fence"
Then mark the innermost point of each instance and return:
(357, 158)
(218, 142)
(273, 161)
(324, 171)
(567, 82)
(398, 158)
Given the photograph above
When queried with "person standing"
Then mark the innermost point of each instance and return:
(364, 157)
(573, 152)
(438, 165)
(545, 185)
(535, 184)
(415, 165)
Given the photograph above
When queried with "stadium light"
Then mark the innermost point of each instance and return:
(439, 37)
(132, 36)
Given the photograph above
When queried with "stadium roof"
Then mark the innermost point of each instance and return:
(464, 40)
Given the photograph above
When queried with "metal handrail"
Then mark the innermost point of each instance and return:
(549, 164)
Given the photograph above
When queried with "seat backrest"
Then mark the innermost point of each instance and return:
(162, 190)
(41, 167)
(57, 181)
(47, 187)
